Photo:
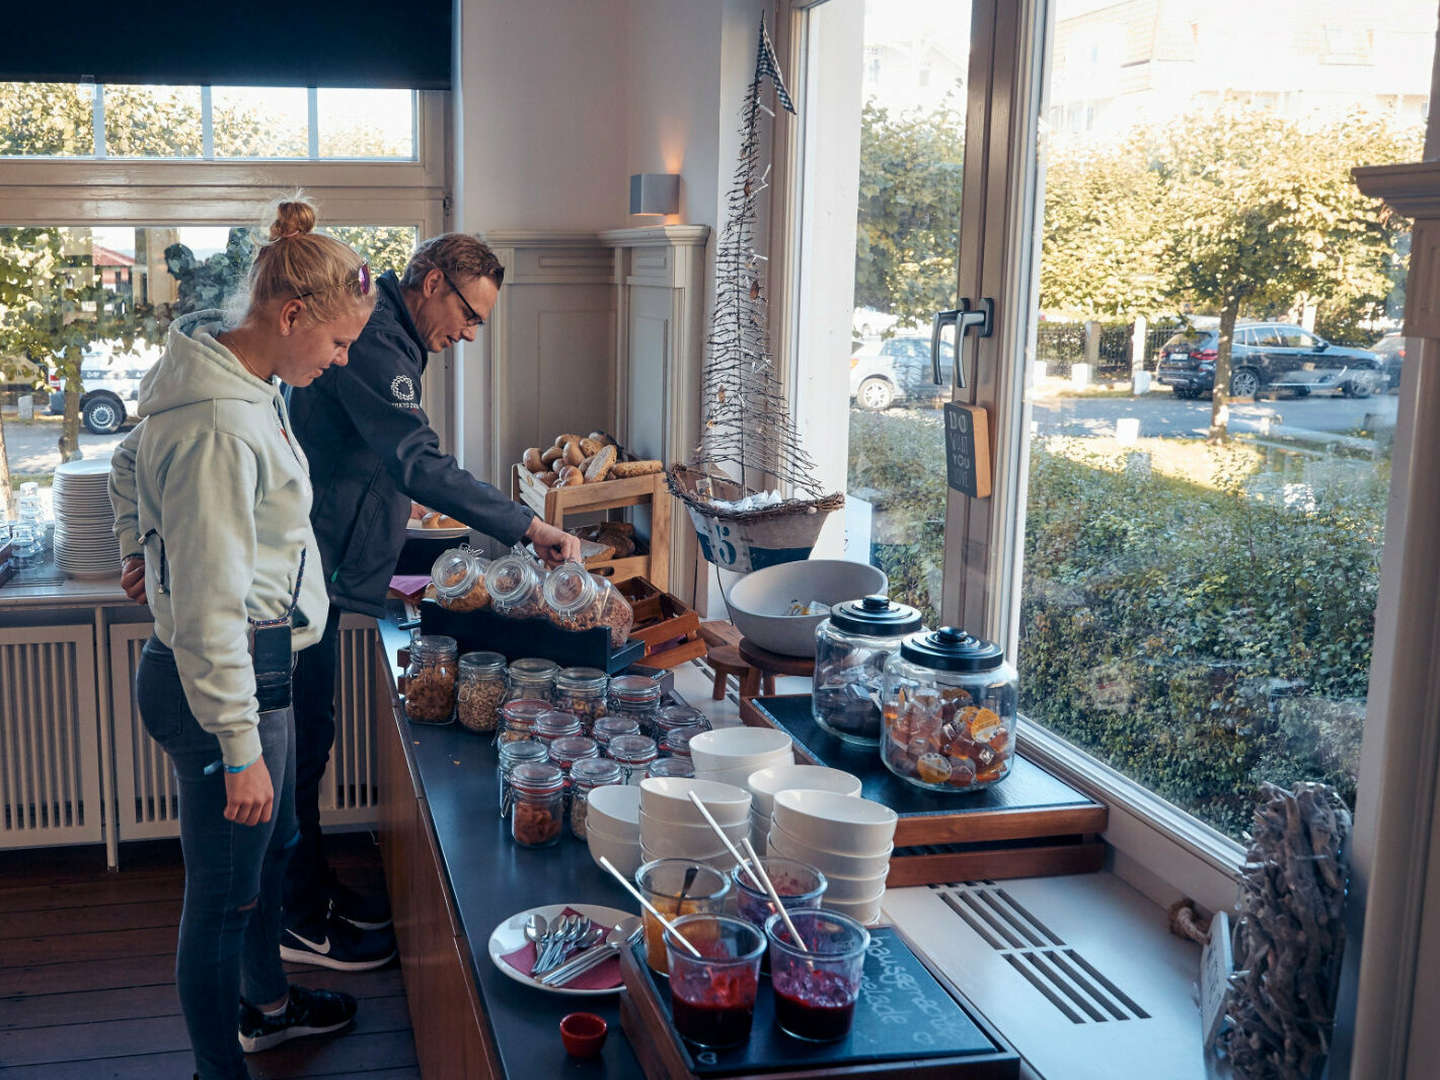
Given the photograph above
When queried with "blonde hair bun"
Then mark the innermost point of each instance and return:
(293, 217)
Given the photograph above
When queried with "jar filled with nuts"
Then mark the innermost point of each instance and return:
(532, 678)
(517, 719)
(634, 754)
(638, 697)
(581, 691)
(430, 680)
(459, 579)
(516, 584)
(585, 776)
(553, 725)
(537, 794)
(671, 766)
(574, 598)
(481, 690)
(607, 727)
(516, 753)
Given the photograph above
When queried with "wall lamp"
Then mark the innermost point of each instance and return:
(655, 193)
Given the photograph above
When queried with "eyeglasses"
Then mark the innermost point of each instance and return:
(475, 318)
(360, 284)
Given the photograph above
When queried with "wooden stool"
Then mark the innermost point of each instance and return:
(723, 655)
(770, 664)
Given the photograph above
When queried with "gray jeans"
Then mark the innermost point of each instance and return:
(234, 874)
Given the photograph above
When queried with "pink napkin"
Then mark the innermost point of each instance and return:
(602, 976)
(409, 585)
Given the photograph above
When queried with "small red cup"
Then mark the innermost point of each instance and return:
(583, 1034)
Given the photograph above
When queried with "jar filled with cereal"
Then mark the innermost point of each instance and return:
(582, 691)
(532, 678)
(430, 680)
(517, 719)
(585, 776)
(608, 727)
(634, 754)
(949, 709)
(552, 725)
(576, 599)
(516, 586)
(537, 795)
(459, 579)
(481, 689)
(636, 697)
(516, 753)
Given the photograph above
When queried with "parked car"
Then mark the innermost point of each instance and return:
(111, 380)
(897, 369)
(1267, 356)
(1391, 350)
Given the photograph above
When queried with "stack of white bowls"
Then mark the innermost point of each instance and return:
(612, 826)
(729, 755)
(848, 838)
(766, 783)
(671, 827)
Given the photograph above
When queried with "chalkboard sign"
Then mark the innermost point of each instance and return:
(967, 449)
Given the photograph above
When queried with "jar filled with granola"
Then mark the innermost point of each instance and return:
(671, 717)
(516, 585)
(516, 753)
(671, 766)
(608, 727)
(581, 691)
(553, 725)
(430, 680)
(482, 688)
(634, 754)
(531, 678)
(576, 599)
(638, 697)
(585, 776)
(517, 719)
(459, 579)
(537, 795)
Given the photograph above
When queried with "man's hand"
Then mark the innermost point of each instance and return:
(248, 794)
(132, 578)
(553, 545)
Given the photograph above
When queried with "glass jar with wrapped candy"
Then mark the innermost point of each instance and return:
(851, 649)
(949, 708)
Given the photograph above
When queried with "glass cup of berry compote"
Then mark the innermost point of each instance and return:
(712, 996)
(816, 986)
(799, 886)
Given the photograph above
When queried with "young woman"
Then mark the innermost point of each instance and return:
(212, 501)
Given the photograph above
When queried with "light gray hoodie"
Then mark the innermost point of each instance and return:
(214, 470)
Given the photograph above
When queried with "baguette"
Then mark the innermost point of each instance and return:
(599, 468)
(625, 469)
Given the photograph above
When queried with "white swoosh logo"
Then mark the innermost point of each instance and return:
(323, 947)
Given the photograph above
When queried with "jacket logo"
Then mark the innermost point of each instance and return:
(402, 389)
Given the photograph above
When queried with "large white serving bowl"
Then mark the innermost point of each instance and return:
(831, 862)
(668, 797)
(834, 822)
(614, 809)
(759, 603)
(763, 784)
(625, 855)
(866, 912)
(730, 749)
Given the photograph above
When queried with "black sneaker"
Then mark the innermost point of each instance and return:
(310, 1012)
(335, 943)
(368, 912)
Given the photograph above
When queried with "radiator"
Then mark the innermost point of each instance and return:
(49, 737)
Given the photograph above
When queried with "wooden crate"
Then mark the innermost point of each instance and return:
(670, 630)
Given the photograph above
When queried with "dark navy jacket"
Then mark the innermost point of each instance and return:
(372, 450)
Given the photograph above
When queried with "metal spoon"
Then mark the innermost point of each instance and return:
(620, 935)
(570, 927)
(558, 926)
(587, 939)
(535, 927)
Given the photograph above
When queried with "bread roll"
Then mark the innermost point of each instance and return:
(573, 479)
(591, 446)
(551, 455)
(548, 477)
(561, 440)
(622, 469)
(437, 520)
(531, 460)
(572, 474)
(573, 453)
(599, 468)
(602, 438)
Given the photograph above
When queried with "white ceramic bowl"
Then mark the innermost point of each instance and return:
(668, 797)
(658, 832)
(626, 856)
(759, 603)
(780, 842)
(731, 749)
(615, 809)
(834, 822)
(722, 862)
(764, 783)
(866, 912)
(853, 890)
(734, 777)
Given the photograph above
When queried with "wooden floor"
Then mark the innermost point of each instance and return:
(87, 986)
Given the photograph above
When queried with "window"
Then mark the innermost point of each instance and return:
(1290, 337)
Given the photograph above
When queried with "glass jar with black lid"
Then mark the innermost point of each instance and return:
(852, 646)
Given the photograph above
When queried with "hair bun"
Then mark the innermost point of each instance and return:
(293, 217)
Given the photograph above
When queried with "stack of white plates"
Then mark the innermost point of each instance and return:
(729, 755)
(671, 827)
(765, 783)
(850, 839)
(85, 544)
(612, 826)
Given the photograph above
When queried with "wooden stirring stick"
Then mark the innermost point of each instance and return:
(650, 907)
(739, 859)
(774, 896)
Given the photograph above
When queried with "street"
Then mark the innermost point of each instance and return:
(1162, 414)
(35, 447)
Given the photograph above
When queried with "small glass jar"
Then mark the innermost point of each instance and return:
(634, 754)
(677, 742)
(531, 677)
(568, 749)
(516, 584)
(672, 717)
(949, 708)
(482, 688)
(581, 690)
(671, 766)
(608, 727)
(537, 796)
(585, 776)
(552, 725)
(517, 719)
(511, 754)
(459, 579)
(851, 648)
(638, 697)
(430, 680)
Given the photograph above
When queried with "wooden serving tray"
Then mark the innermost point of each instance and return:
(669, 629)
(1030, 824)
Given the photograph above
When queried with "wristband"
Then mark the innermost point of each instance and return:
(214, 766)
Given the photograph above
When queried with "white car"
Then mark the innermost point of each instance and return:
(111, 379)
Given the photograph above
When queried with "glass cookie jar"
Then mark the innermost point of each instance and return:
(576, 599)
(430, 680)
(948, 708)
(581, 691)
(459, 579)
(532, 678)
(516, 586)
(851, 650)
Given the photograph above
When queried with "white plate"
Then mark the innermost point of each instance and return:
(412, 531)
(510, 935)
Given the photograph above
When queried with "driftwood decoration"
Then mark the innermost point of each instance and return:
(1289, 935)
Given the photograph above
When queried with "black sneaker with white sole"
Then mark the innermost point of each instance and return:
(334, 943)
(309, 1012)
(366, 911)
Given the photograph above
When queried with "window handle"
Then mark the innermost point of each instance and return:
(979, 317)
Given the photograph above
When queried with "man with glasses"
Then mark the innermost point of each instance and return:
(372, 451)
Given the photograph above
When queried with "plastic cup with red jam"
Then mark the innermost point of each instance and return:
(816, 987)
(712, 996)
(799, 886)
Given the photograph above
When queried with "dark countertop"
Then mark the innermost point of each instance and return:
(492, 878)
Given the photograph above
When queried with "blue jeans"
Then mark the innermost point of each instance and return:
(234, 874)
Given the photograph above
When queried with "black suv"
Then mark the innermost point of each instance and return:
(1267, 356)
